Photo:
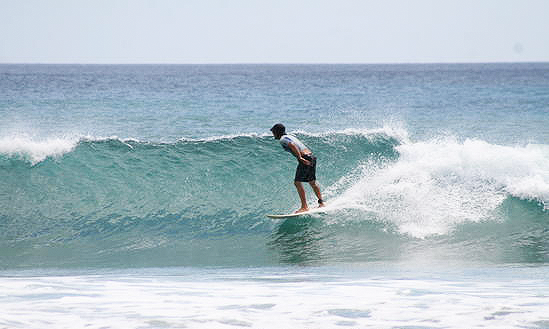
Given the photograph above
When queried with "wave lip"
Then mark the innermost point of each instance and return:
(36, 151)
(397, 132)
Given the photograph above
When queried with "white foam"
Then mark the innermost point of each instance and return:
(438, 184)
(222, 137)
(36, 150)
(277, 299)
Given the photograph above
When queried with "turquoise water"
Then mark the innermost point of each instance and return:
(118, 173)
(504, 103)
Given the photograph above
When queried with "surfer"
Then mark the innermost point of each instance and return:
(306, 168)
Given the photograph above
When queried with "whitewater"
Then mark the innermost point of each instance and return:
(136, 196)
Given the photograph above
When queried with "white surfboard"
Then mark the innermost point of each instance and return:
(312, 211)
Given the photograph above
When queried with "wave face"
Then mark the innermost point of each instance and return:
(86, 202)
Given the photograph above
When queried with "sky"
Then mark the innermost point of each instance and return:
(277, 31)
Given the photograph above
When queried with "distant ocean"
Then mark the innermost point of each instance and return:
(135, 196)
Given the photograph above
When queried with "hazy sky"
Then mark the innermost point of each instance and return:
(277, 31)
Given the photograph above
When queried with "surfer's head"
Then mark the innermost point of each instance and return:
(278, 130)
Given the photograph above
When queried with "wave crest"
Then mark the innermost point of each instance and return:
(36, 150)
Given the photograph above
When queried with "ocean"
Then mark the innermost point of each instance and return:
(135, 196)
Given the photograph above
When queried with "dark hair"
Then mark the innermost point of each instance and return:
(279, 129)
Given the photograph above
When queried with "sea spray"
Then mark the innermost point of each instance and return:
(439, 184)
(36, 150)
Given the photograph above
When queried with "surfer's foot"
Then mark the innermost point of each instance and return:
(300, 210)
(321, 204)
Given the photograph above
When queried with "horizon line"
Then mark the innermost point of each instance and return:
(272, 63)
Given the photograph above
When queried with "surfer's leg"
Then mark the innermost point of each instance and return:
(301, 192)
(316, 189)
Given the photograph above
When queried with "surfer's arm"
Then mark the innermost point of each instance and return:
(298, 155)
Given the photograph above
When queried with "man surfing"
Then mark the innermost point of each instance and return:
(306, 168)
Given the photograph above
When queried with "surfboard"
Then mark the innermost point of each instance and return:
(310, 212)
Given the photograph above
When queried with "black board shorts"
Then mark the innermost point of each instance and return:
(305, 173)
